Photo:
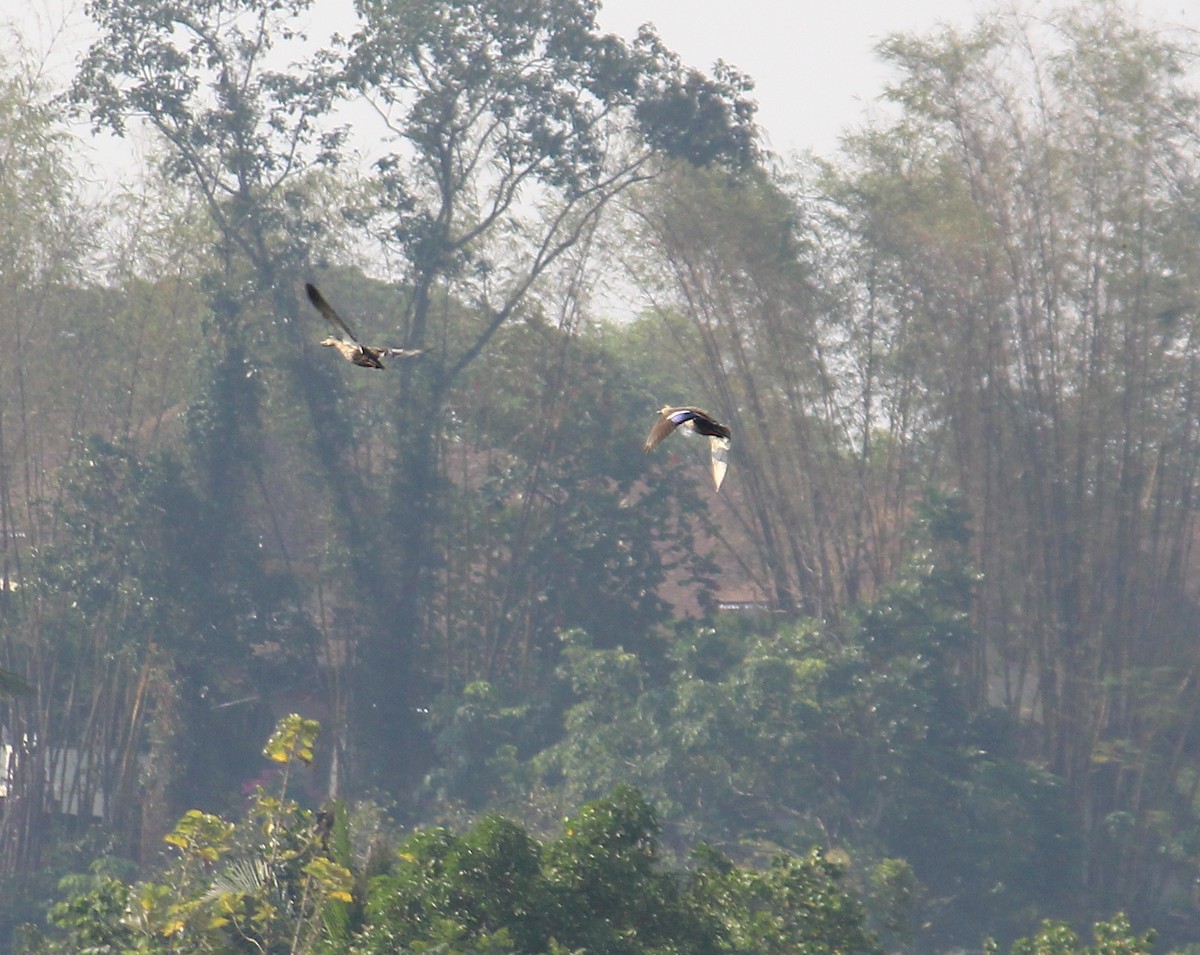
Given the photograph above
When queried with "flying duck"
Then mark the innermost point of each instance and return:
(346, 343)
(700, 422)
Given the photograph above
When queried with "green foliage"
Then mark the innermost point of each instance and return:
(797, 905)
(266, 883)
(96, 921)
(293, 740)
(482, 744)
(1112, 937)
(858, 736)
(599, 888)
(894, 898)
(700, 120)
(613, 729)
(200, 837)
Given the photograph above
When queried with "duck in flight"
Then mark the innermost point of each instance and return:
(700, 422)
(348, 346)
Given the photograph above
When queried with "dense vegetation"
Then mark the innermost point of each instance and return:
(960, 363)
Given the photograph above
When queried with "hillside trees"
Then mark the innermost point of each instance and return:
(856, 736)
(1025, 235)
(44, 246)
(237, 138)
(995, 292)
(86, 606)
(237, 134)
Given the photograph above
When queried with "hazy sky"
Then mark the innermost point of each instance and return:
(812, 61)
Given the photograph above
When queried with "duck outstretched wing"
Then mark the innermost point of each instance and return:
(326, 310)
(665, 424)
(404, 352)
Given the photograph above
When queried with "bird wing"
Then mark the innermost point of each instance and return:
(403, 352)
(720, 459)
(327, 311)
(665, 424)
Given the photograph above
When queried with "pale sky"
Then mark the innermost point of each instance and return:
(813, 61)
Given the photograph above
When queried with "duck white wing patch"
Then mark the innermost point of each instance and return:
(720, 459)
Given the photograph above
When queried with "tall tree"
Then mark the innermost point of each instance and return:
(1025, 234)
(745, 298)
(512, 126)
(45, 241)
(239, 134)
(242, 137)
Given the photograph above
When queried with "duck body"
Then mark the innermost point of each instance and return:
(346, 343)
(355, 353)
(701, 422)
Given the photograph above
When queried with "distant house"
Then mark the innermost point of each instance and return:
(73, 783)
(744, 606)
(743, 597)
